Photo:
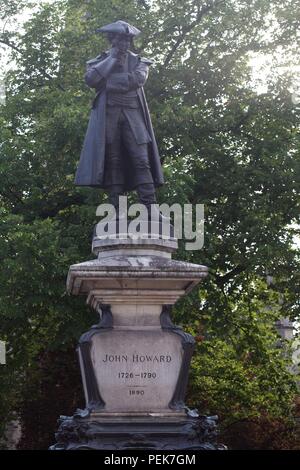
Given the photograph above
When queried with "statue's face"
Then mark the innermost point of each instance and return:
(122, 42)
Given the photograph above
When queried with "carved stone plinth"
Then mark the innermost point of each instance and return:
(135, 362)
(138, 369)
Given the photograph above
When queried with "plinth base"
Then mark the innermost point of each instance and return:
(127, 433)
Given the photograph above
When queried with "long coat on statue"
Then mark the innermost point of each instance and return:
(91, 167)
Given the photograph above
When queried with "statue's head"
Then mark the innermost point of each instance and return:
(121, 41)
(120, 34)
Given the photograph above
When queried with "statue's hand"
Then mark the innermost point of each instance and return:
(118, 54)
(114, 52)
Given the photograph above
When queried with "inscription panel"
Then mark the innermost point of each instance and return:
(136, 370)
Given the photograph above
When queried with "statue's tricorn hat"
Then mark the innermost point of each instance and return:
(120, 27)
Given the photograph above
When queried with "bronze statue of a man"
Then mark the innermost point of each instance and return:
(120, 152)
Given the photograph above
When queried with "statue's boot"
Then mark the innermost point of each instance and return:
(147, 196)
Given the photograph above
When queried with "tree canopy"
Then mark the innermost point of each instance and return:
(223, 144)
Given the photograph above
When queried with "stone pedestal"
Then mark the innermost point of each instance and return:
(135, 362)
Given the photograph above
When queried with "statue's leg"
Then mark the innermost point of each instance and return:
(114, 178)
(114, 191)
(144, 184)
(146, 194)
(138, 153)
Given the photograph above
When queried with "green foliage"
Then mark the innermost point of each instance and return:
(222, 144)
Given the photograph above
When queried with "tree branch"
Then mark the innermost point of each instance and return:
(144, 4)
(12, 46)
(236, 126)
(187, 29)
(17, 49)
(221, 280)
(15, 195)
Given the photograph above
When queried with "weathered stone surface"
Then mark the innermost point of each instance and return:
(136, 370)
(156, 243)
(135, 362)
(133, 263)
(134, 272)
(131, 284)
(129, 368)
